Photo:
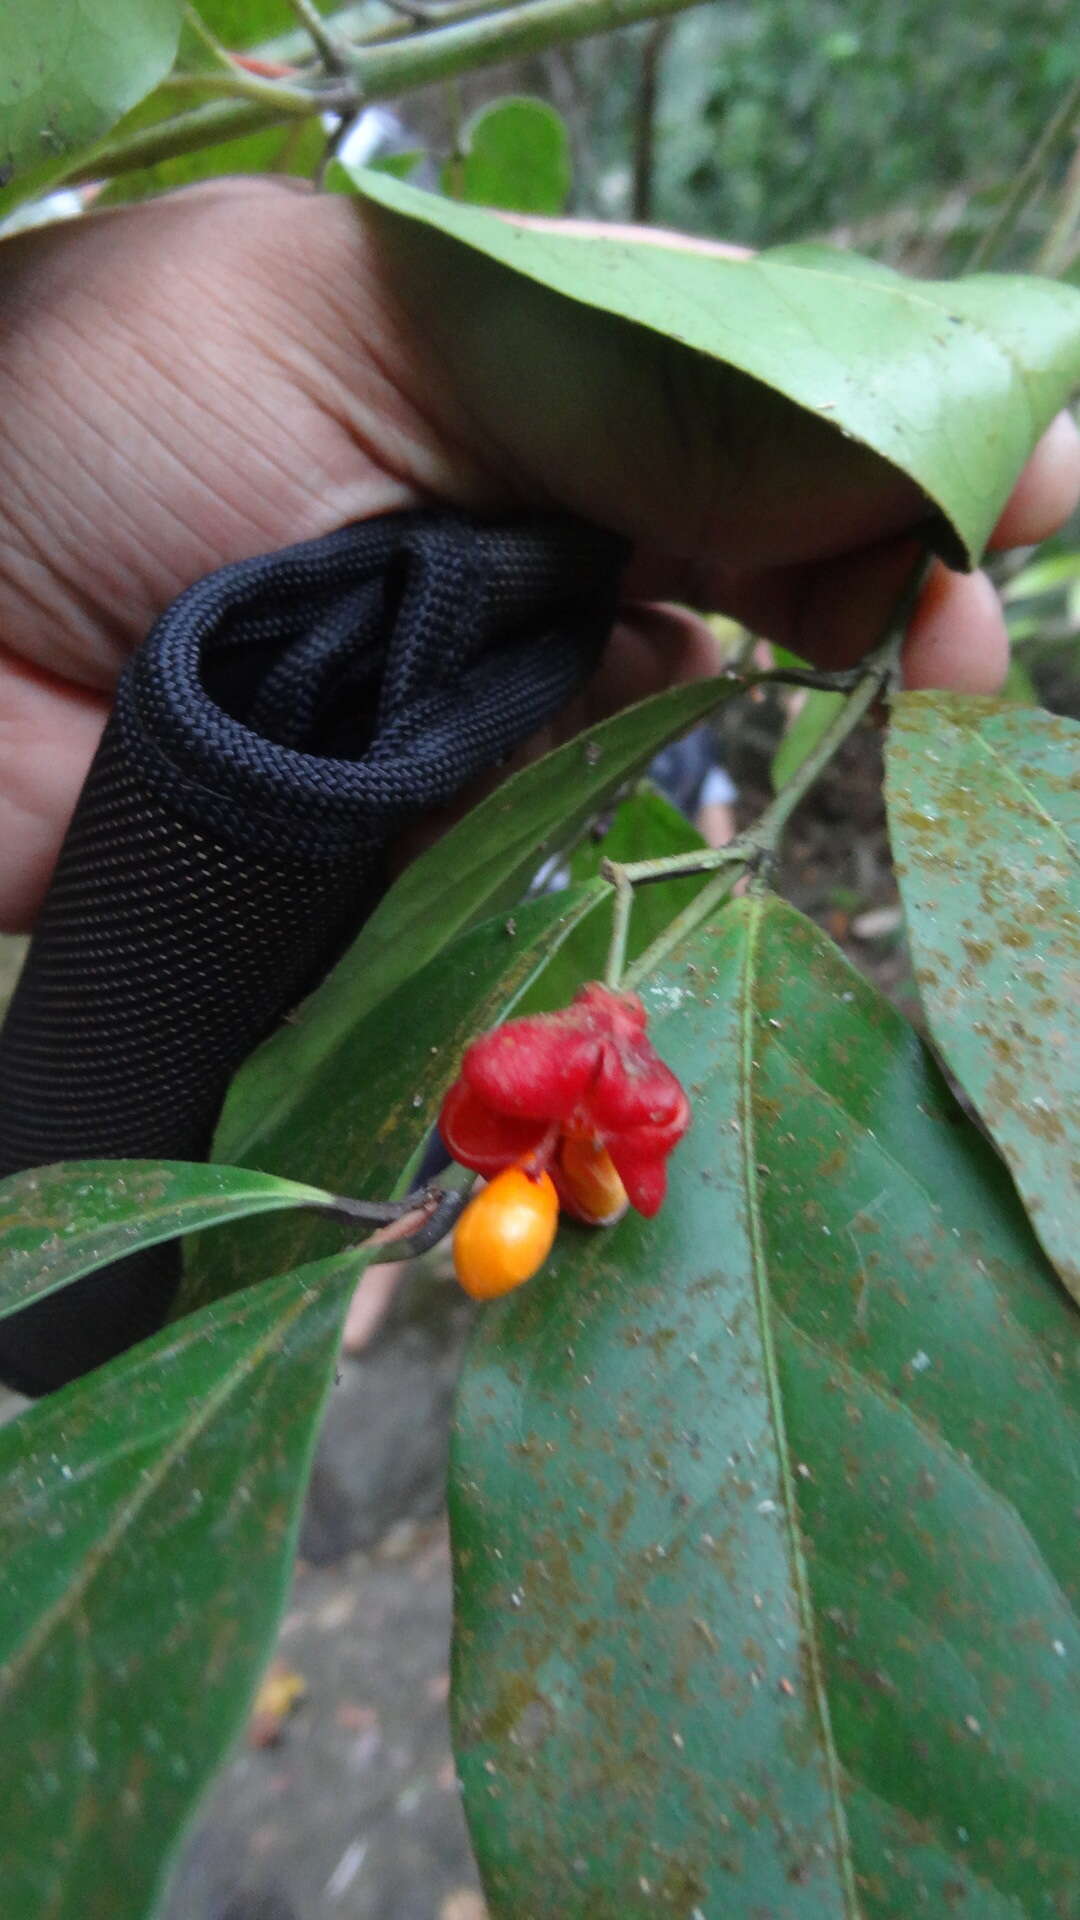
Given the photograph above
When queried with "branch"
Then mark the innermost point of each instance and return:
(758, 847)
(381, 71)
(436, 1210)
(1057, 252)
(326, 43)
(645, 118)
(449, 1206)
(752, 850)
(620, 920)
(1029, 182)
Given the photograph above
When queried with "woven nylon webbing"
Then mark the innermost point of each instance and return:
(285, 718)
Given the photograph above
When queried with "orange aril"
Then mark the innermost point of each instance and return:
(589, 1181)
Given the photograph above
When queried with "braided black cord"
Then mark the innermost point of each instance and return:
(285, 718)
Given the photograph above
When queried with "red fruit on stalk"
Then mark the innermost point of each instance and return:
(588, 1076)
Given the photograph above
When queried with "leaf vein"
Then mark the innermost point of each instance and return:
(774, 1394)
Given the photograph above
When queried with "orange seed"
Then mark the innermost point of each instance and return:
(506, 1233)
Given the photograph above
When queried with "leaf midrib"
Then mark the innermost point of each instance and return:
(774, 1400)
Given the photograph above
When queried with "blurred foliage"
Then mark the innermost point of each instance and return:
(797, 117)
(1040, 589)
(515, 154)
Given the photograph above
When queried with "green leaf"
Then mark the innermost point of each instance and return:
(950, 382)
(764, 1510)
(68, 71)
(483, 864)
(984, 815)
(401, 165)
(1049, 574)
(1019, 685)
(148, 1518)
(59, 1222)
(516, 156)
(293, 149)
(782, 658)
(371, 1100)
(814, 717)
(242, 23)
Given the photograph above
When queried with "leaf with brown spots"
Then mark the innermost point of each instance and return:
(764, 1510)
(60, 1222)
(984, 814)
(148, 1519)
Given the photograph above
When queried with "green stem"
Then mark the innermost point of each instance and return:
(620, 921)
(880, 666)
(326, 43)
(280, 98)
(382, 71)
(699, 909)
(678, 866)
(757, 847)
(748, 848)
(352, 26)
(367, 1213)
(445, 1203)
(845, 680)
(1029, 182)
(199, 28)
(1056, 254)
(760, 844)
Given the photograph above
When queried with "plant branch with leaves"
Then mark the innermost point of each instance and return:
(762, 1514)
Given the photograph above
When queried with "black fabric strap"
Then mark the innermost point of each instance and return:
(285, 719)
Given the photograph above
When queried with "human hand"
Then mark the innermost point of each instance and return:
(226, 371)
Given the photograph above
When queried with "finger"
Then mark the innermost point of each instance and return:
(1047, 491)
(830, 611)
(370, 1304)
(49, 732)
(652, 647)
(835, 612)
(957, 637)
